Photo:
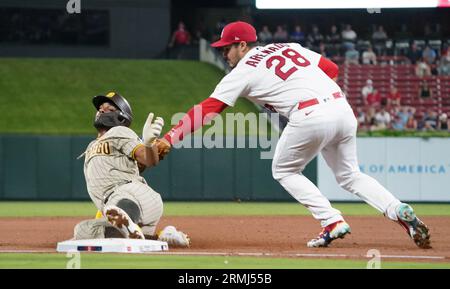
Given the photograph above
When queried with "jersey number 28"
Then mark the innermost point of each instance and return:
(291, 54)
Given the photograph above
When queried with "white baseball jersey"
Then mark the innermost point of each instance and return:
(277, 76)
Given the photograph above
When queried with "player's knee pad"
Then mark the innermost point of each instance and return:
(131, 208)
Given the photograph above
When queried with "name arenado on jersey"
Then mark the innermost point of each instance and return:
(254, 60)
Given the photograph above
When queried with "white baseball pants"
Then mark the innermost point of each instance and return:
(329, 128)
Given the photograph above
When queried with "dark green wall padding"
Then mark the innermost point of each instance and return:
(46, 168)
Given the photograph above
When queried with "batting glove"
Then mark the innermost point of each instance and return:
(152, 129)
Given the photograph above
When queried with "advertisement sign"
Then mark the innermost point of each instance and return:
(413, 169)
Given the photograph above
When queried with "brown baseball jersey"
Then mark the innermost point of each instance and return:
(112, 174)
(110, 161)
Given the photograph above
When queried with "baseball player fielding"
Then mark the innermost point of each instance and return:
(299, 84)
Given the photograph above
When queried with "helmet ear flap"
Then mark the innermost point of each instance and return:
(124, 120)
(121, 117)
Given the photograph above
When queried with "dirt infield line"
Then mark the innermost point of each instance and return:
(262, 254)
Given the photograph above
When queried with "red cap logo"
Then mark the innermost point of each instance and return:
(236, 32)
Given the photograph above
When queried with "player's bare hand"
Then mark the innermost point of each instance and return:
(152, 129)
(163, 148)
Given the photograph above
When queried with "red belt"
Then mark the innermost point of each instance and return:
(314, 101)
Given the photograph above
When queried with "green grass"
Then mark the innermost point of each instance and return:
(53, 96)
(394, 133)
(73, 209)
(47, 209)
(113, 261)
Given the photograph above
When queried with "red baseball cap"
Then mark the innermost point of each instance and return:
(236, 32)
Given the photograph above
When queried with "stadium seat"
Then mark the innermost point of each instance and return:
(353, 78)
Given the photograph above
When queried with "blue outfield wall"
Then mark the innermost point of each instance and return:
(413, 169)
(46, 168)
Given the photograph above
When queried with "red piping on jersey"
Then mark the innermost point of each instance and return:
(329, 67)
(314, 101)
(308, 103)
(195, 118)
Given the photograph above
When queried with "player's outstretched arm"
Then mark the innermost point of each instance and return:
(163, 147)
(195, 118)
(148, 154)
(140, 157)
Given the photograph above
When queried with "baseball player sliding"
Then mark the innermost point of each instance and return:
(298, 84)
(112, 165)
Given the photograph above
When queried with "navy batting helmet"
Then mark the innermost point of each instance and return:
(122, 117)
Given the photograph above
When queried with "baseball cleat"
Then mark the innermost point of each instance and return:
(174, 238)
(415, 228)
(120, 219)
(331, 232)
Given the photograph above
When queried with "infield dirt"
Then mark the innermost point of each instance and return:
(280, 236)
